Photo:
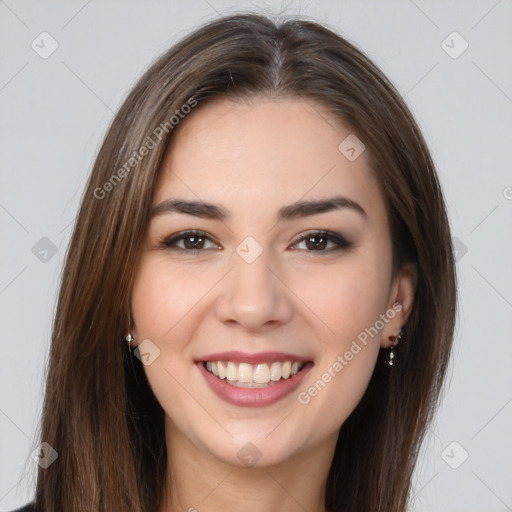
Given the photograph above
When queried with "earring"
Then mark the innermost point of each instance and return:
(129, 338)
(390, 359)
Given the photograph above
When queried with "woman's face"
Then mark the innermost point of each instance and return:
(295, 324)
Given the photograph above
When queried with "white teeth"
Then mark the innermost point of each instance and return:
(285, 370)
(231, 371)
(244, 372)
(275, 371)
(221, 369)
(259, 375)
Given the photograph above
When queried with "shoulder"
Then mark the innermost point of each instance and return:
(27, 508)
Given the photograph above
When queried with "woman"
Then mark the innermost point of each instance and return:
(262, 225)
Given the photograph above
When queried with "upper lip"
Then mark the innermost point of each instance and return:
(246, 357)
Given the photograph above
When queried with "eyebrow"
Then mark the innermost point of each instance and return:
(293, 211)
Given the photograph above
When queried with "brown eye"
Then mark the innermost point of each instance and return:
(319, 240)
(316, 242)
(193, 242)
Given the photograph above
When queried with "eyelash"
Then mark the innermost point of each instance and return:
(341, 242)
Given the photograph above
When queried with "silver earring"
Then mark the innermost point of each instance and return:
(129, 338)
(390, 358)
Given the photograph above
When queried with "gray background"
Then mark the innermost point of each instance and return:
(54, 112)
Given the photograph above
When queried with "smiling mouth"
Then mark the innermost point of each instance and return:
(261, 375)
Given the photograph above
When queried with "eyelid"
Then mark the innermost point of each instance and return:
(170, 241)
(338, 239)
(341, 242)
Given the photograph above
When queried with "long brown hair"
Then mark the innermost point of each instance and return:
(100, 413)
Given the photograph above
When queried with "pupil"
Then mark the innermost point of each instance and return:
(321, 244)
(194, 244)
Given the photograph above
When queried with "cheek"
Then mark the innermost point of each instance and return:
(162, 297)
(353, 298)
(349, 350)
(162, 300)
(345, 299)
(166, 300)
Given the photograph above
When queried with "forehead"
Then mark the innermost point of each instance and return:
(276, 151)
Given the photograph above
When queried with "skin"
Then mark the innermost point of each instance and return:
(295, 298)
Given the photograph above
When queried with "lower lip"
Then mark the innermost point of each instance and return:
(253, 397)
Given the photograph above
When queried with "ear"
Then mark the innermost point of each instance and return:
(401, 299)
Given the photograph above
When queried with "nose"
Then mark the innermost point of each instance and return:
(254, 296)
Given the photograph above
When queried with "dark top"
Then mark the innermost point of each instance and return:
(27, 508)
